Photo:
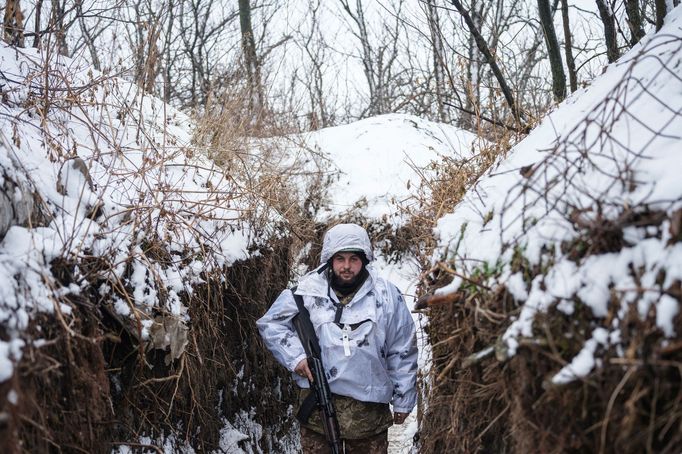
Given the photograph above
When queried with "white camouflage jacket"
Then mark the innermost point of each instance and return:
(378, 360)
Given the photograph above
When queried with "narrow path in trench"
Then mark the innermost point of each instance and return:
(405, 275)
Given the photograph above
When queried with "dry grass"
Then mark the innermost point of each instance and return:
(93, 383)
(631, 402)
(442, 186)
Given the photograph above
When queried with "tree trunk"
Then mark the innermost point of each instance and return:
(483, 48)
(251, 62)
(472, 83)
(438, 57)
(553, 50)
(609, 21)
(661, 11)
(57, 24)
(87, 36)
(168, 54)
(370, 58)
(13, 23)
(36, 23)
(634, 21)
(568, 47)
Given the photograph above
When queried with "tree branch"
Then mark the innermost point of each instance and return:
(483, 48)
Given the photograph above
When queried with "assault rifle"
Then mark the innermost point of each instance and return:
(321, 395)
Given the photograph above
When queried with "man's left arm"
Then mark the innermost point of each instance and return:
(401, 357)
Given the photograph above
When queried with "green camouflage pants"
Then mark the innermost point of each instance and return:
(314, 443)
(357, 420)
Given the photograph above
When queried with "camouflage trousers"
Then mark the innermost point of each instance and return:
(314, 443)
(357, 420)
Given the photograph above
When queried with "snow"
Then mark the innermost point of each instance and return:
(9, 353)
(114, 170)
(583, 362)
(128, 158)
(666, 309)
(617, 142)
(141, 172)
(375, 162)
(229, 439)
(405, 276)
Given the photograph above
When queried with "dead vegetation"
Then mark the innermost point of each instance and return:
(480, 400)
(93, 385)
(104, 370)
(442, 186)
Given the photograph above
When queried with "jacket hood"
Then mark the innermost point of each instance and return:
(345, 237)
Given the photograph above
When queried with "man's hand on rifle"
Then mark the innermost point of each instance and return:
(399, 418)
(303, 370)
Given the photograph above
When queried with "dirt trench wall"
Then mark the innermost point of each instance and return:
(86, 383)
(630, 404)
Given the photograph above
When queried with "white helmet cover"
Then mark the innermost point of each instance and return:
(345, 237)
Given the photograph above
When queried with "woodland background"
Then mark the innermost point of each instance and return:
(186, 133)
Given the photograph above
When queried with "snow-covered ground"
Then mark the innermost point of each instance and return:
(113, 170)
(606, 158)
(117, 181)
(405, 276)
(375, 162)
(142, 176)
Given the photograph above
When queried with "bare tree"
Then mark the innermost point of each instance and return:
(196, 51)
(88, 36)
(37, 13)
(13, 23)
(315, 48)
(58, 26)
(553, 50)
(379, 56)
(170, 53)
(438, 55)
(662, 8)
(634, 20)
(568, 47)
(251, 62)
(608, 18)
(492, 62)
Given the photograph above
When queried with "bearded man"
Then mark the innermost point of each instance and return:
(367, 341)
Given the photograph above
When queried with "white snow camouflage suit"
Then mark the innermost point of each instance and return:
(379, 361)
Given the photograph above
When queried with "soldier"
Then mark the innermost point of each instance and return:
(367, 341)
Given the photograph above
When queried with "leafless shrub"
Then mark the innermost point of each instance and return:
(587, 183)
(93, 352)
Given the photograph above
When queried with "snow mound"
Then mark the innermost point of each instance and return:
(587, 210)
(119, 199)
(373, 163)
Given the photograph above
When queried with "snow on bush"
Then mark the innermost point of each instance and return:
(586, 211)
(122, 200)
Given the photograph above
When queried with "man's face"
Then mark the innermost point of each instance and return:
(346, 266)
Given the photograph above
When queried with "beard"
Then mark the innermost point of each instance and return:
(346, 285)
